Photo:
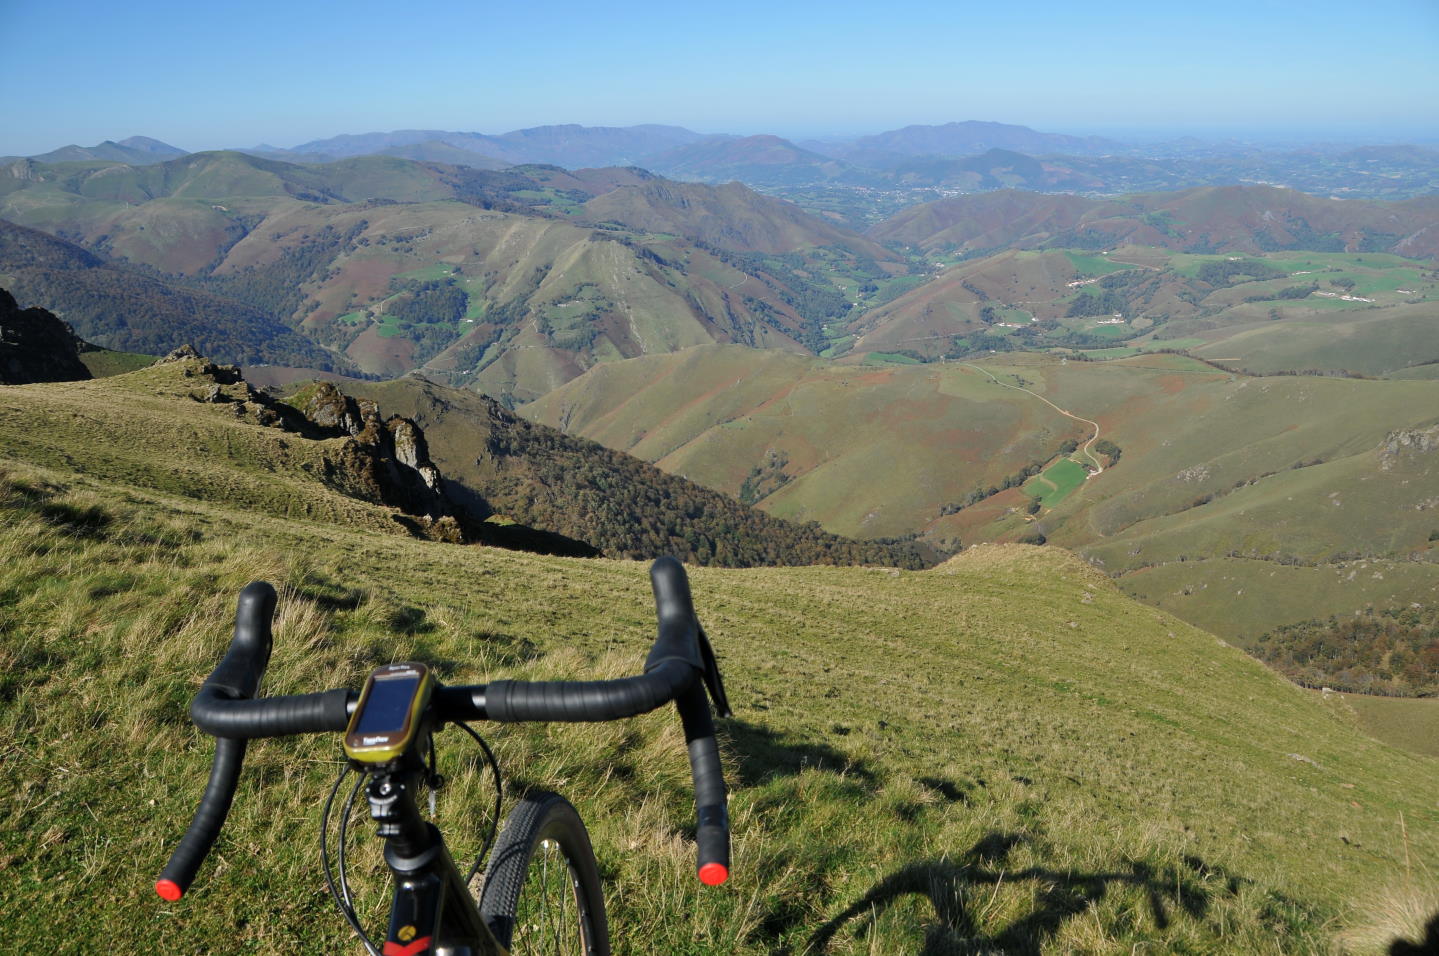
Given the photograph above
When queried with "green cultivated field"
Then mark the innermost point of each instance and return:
(1092, 265)
(1054, 484)
(890, 358)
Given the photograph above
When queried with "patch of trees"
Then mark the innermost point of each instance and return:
(765, 478)
(1303, 237)
(974, 290)
(125, 310)
(1117, 292)
(1394, 652)
(1107, 448)
(1081, 239)
(1290, 292)
(440, 300)
(1107, 302)
(275, 288)
(1225, 273)
(428, 313)
(630, 509)
(815, 302)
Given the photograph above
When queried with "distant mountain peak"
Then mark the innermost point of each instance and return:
(134, 151)
(149, 145)
(966, 137)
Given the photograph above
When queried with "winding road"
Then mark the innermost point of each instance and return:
(1098, 468)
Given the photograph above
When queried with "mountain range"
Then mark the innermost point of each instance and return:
(763, 351)
(964, 156)
(542, 271)
(985, 490)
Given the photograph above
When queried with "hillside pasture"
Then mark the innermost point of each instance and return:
(1411, 723)
(1055, 483)
(1370, 341)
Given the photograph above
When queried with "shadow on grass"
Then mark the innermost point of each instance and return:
(765, 755)
(1059, 895)
(1427, 946)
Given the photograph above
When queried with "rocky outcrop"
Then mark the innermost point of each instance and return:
(1407, 442)
(385, 460)
(35, 346)
(224, 385)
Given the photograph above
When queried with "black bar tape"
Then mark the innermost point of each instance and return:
(678, 637)
(210, 817)
(711, 799)
(509, 701)
(244, 663)
(221, 716)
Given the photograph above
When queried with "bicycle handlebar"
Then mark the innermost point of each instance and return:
(680, 667)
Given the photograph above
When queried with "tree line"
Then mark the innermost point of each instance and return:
(1394, 652)
(630, 509)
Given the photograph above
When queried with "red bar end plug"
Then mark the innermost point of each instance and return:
(713, 874)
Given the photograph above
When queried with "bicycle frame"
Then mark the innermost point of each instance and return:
(431, 910)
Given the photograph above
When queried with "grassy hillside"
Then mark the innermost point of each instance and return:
(730, 216)
(1410, 723)
(1231, 219)
(132, 311)
(868, 451)
(1359, 312)
(1240, 503)
(1003, 753)
(160, 428)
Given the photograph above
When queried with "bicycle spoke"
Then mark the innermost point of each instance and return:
(550, 921)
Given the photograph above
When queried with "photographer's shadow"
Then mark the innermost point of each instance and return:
(1059, 896)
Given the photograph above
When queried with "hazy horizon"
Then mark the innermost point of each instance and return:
(202, 78)
(1240, 136)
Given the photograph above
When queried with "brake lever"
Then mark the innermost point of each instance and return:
(713, 682)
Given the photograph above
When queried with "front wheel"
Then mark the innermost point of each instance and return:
(542, 886)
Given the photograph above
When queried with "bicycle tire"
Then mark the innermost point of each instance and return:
(542, 886)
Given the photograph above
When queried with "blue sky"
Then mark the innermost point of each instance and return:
(208, 75)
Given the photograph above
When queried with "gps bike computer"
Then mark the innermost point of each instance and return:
(387, 718)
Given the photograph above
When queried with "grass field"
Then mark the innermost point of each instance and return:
(1409, 723)
(1088, 265)
(890, 358)
(980, 755)
(1055, 483)
(1052, 765)
(1239, 504)
(103, 362)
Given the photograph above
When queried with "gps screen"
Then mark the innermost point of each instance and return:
(388, 705)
